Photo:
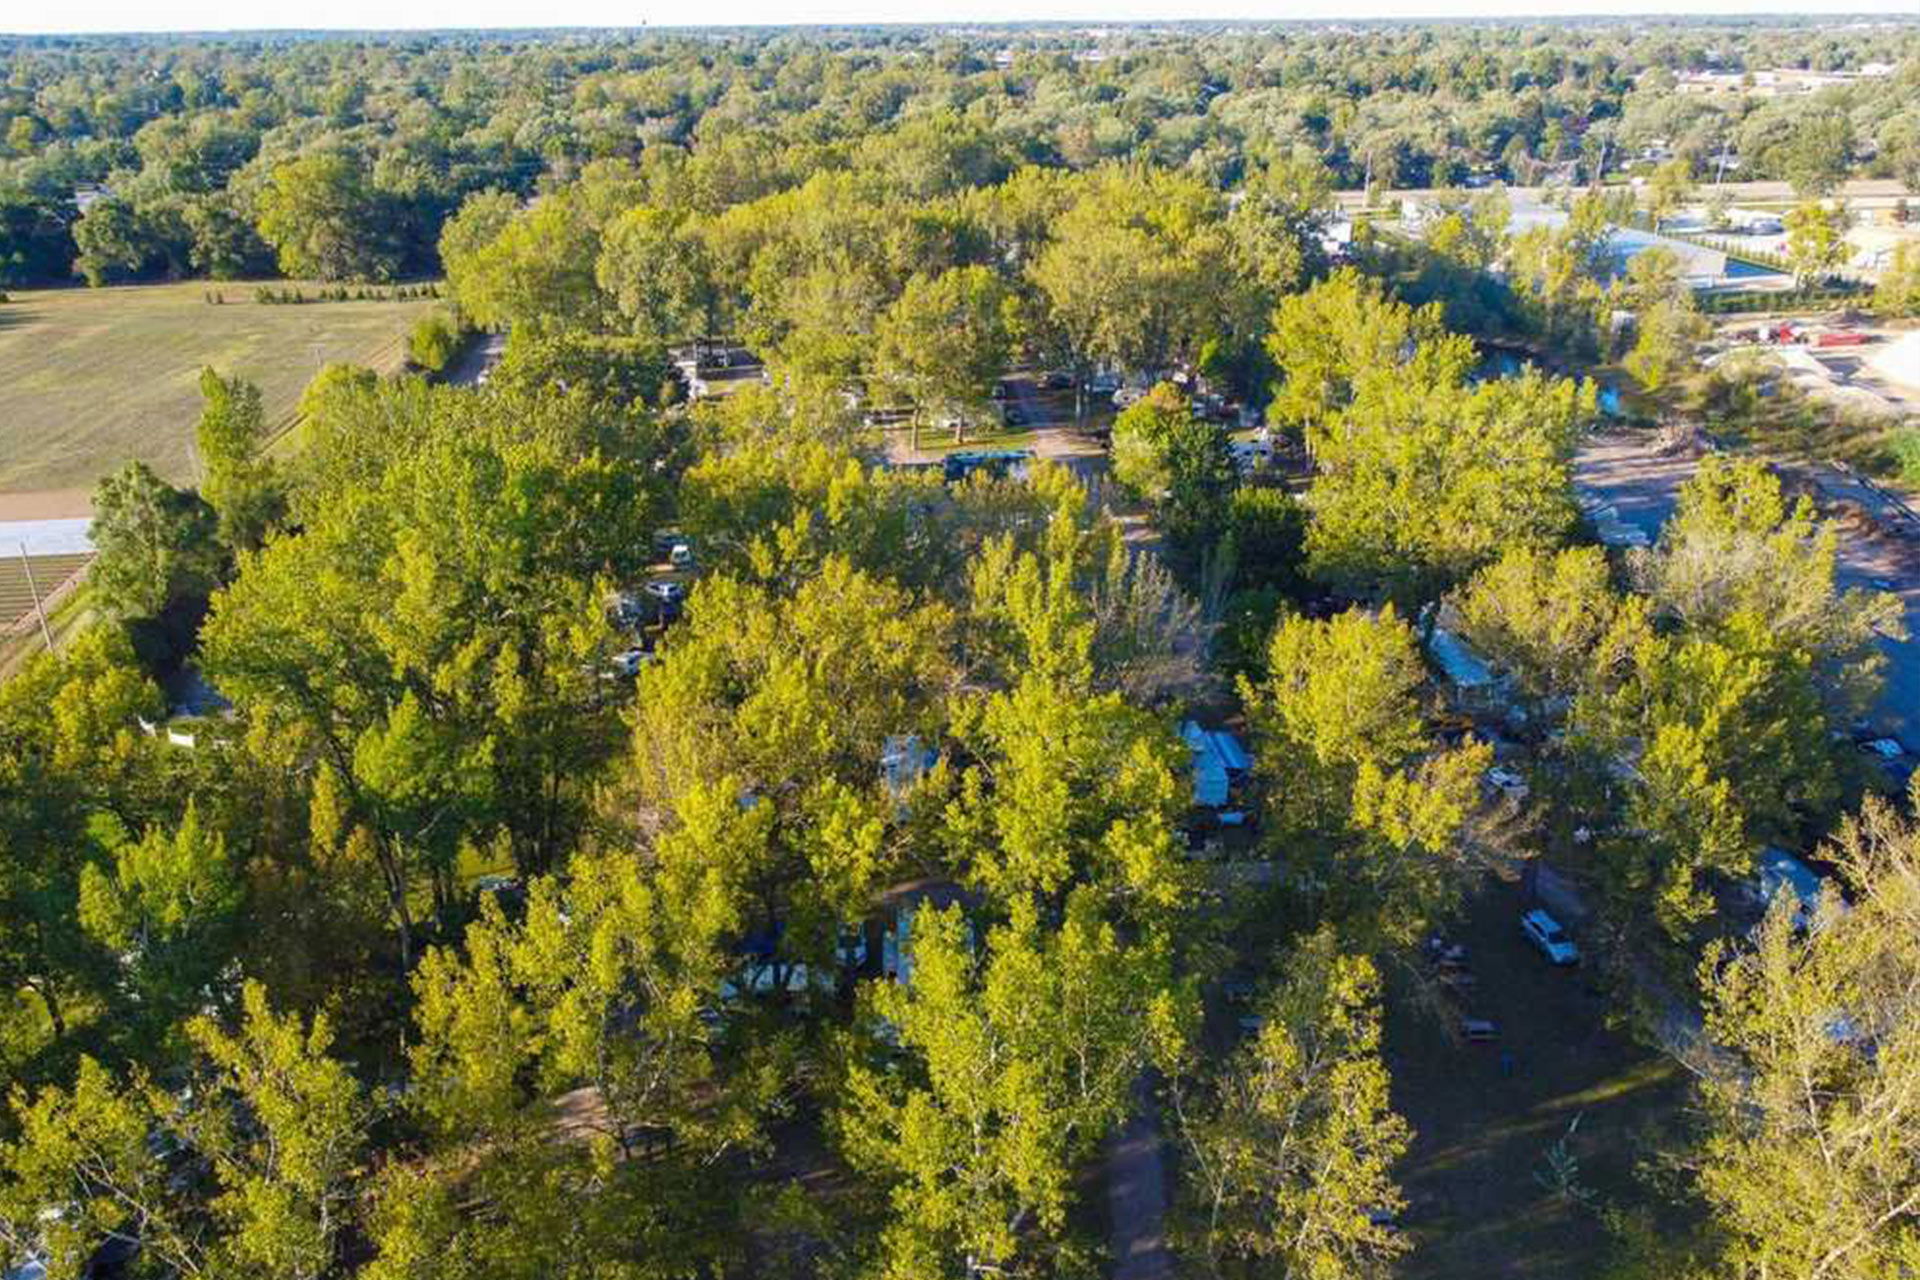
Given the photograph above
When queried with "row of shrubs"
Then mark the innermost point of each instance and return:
(1762, 300)
(338, 293)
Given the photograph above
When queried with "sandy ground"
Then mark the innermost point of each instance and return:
(46, 504)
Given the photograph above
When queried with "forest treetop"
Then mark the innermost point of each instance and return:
(179, 148)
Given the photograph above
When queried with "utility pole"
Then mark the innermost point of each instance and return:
(33, 589)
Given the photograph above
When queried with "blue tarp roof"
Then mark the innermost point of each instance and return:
(1217, 755)
(1778, 868)
(1461, 664)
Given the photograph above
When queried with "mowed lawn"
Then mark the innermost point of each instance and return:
(92, 377)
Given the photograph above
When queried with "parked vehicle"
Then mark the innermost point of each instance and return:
(1508, 783)
(1544, 932)
(681, 557)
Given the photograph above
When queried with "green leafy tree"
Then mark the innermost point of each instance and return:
(1269, 531)
(1424, 478)
(69, 744)
(537, 268)
(1163, 452)
(1552, 622)
(154, 544)
(434, 341)
(1290, 1148)
(1816, 240)
(1728, 748)
(437, 626)
(325, 221)
(1016, 1062)
(1323, 340)
(1670, 187)
(1736, 547)
(283, 1126)
(1806, 1164)
(1666, 336)
(114, 243)
(278, 1124)
(618, 376)
(87, 1153)
(241, 482)
(944, 342)
(167, 904)
(1075, 785)
(1357, 786)
(658, 270)
(1816, 153)
(1898, 293)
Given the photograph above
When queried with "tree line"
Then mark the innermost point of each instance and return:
(336, 159)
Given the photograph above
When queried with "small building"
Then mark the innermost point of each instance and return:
(1220, 764)
(1777, 872)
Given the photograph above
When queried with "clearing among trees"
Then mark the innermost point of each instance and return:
(97, 376)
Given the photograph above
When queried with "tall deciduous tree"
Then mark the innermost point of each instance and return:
(154, 544)
(1019, 1057)
(241, 484)
(1290, 1149)
(1165, 453)
(945, 340)
(1357, 785)
(325, 221)
(1809, 1162)
(1816, 240)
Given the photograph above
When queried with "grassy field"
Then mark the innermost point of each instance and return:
(1483, 1197)
(93, 377)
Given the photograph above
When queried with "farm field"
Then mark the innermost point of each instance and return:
(16, 591)
(93, 377)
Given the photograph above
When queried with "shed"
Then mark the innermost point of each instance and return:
(1219, 760)
(1778, 871)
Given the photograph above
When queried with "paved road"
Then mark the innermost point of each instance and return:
(476, 359)
(1624, 471)
(1137, 1193)
(1865, 192)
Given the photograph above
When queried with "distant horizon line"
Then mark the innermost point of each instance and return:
(1704, 17)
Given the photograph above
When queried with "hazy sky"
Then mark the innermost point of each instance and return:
(222, 15)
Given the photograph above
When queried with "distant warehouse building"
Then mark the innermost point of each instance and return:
(1700, 267)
